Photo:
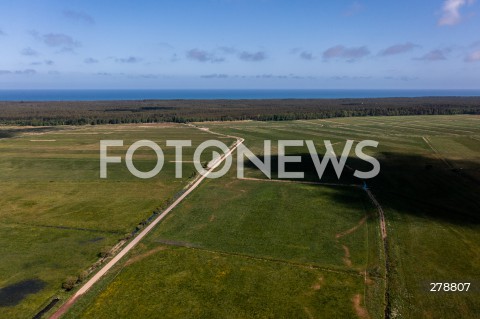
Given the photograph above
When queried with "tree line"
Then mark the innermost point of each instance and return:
(184, 111)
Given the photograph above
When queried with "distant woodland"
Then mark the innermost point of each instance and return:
(183, 111)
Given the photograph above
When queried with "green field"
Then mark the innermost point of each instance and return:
(204, 284)
(249, 227)
(249, 248)
(57, 215)
(429, 192)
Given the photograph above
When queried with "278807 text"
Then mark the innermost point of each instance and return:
(449, 287)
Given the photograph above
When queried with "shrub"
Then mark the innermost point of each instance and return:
(82, 276)
(69, 283)
(105, 252)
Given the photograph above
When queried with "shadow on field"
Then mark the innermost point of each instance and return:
(427, 187)
(410, 184)
(15, 293)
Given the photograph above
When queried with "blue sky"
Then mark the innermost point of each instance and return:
(310, 44)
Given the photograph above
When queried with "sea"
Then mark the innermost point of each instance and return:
(204, 94)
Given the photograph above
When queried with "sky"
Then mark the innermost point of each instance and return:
(240, 44)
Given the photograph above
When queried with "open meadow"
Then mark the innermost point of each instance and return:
(57, 217)
(252, 247)
(227, 236)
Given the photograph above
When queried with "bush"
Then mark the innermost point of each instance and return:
(69, 283)
(105, 252)
(83, 275)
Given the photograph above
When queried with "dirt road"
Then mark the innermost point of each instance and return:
(383, 226)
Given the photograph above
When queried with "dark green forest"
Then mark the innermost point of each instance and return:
(183, 111)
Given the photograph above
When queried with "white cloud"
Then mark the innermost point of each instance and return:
(451, 11)
(398, 49)
(355, 8)
(351, 54)
(203, 56)
(79, 16)
(90, 61)
(130, 59)
(19, 72)
(29, 52)
(307, 56)
(436, 55)
(252, 56)
(57, 40)
(473, 57)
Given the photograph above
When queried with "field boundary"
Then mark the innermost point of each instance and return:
(92, 230)
(383, 229)
(267, 259)
(437, 153)
(288, 181)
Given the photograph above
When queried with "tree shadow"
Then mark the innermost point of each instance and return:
(409, 184)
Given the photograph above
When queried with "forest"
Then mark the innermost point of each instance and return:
(184, 111)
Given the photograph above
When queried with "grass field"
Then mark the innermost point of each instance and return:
(57, 215)
(428, 187)
(248, 248)
(261, 226)
(204, 284)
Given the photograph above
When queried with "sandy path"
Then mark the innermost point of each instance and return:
(383, 226)
(354, 228)
(346, 258)
(383, 229)
(359, 310)
(43, 140)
